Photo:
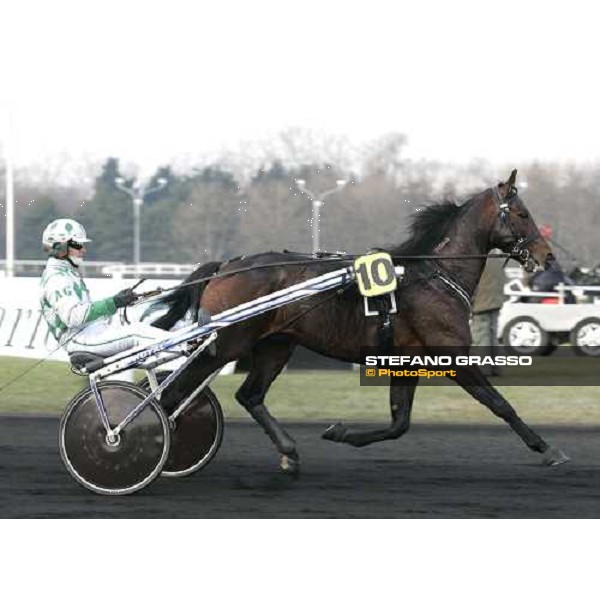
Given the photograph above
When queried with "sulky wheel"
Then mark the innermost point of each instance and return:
(121, 466)
(196, 433)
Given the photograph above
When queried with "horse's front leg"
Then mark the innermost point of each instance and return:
(472, 380)
(402, 392)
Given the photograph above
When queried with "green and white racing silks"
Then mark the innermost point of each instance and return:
(65, 299)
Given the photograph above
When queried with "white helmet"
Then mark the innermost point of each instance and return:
(59, 233)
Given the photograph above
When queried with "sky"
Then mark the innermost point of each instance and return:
(176, 82)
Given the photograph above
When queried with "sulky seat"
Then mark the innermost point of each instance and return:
(85, 360)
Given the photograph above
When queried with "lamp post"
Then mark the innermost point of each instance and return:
(137, 194)
(317, 202)
(10, 200)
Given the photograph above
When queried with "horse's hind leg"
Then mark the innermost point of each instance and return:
(402, 392)
(268, 358)
(475, 382)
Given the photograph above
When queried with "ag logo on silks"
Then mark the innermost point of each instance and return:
(375, 274)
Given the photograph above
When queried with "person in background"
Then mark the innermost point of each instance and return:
(489, 298)
(547, 280)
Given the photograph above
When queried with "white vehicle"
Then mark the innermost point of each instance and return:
(535, 323)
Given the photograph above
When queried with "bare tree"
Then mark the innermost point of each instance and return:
(205, 222)
(275, 216)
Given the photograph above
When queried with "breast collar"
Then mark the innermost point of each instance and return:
(456, 287)
(449, 280)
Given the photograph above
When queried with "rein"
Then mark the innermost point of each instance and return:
(519, 252)
(144, 296)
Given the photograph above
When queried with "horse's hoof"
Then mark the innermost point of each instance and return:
(290, 465)
(334, 433)
(553, 457)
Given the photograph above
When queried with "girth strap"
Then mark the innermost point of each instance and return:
(385, 320)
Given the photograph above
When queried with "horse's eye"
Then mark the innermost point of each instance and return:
(524, 214)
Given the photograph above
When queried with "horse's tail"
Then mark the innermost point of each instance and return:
(187, 297)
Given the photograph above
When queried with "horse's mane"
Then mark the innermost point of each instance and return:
(428, 228)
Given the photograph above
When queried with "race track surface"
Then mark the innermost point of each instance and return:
(434, 471)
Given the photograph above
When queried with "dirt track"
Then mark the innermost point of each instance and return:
(435, 471)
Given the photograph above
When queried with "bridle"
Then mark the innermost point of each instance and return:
(519, 251)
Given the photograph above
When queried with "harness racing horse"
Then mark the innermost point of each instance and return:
(433, 303)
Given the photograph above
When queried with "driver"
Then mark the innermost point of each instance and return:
(72, 316)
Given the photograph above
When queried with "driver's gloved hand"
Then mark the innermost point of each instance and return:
(125, 298)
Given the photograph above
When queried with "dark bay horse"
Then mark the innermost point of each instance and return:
(433, 303)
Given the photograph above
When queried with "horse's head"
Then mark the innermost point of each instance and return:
(514, 231)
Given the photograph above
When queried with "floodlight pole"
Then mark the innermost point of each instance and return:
(10, 200)
(317, 202)
(137, 194)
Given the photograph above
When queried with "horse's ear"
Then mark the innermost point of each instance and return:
(503, 188)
